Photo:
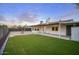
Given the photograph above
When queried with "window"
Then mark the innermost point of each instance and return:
(37, 29)
(52, 28)
(56, 28)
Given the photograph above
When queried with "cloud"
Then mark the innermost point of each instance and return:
(2, 18)
(11, 20)
(29, 16)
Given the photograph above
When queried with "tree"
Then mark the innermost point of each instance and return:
(24, 27)
(19, 27)
(77, 5)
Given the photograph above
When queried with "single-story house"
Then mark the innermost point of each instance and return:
(62, 28)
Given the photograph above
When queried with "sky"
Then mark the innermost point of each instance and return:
(33, 13)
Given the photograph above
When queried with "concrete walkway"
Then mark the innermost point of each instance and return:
(27, 33)
(56, 36)
(15, 33)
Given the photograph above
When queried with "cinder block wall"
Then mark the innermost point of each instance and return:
(3, 34)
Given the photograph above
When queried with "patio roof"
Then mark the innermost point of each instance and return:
(70, 23)
(56, 23)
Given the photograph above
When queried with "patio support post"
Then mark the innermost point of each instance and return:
(59, 29)
(43, 29)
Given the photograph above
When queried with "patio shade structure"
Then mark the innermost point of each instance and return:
(72, 13)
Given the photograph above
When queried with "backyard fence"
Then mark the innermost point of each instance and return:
(3, 35)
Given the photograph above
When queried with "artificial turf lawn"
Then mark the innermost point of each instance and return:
(40, 45)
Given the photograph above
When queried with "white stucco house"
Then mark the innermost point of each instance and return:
(62, 28)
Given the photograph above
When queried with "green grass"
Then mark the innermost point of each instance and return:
(40, 45)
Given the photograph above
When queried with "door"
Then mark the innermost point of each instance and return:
(68, 30)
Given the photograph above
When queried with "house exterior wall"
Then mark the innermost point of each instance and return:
(33, 29)
(41, 29)
(63, 30)
(48, 29)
